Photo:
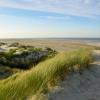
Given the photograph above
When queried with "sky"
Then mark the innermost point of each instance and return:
(49, 18)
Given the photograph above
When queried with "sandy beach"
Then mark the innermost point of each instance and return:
(76, 86)
(57, 44)
(84, 86)
(50, 50)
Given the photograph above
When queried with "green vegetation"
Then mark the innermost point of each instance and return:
(6, 71)
(2, 43)
(24, 57)
(24, 85)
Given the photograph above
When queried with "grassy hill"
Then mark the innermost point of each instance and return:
(38, 80)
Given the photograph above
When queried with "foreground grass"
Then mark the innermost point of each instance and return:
(23, 85)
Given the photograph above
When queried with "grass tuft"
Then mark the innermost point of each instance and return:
(23, 85)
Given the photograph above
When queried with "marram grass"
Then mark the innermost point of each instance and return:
(23, 85)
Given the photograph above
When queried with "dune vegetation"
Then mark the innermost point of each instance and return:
(38, 80)
(20, 56)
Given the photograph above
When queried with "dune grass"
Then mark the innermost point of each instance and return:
(23, 85)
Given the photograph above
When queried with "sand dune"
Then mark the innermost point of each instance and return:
(84, 86)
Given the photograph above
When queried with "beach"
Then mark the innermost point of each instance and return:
(77, 84)
(84, 86)
(59, 44)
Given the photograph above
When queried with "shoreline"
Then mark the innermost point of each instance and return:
(57, 44)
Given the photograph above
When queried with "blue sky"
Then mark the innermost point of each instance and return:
(49, 18)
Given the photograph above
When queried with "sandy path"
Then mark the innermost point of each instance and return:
(80, 87)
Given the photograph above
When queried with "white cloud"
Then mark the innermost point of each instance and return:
(56, 17)
(88, 8)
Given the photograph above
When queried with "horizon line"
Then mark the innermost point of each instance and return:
(53, 38)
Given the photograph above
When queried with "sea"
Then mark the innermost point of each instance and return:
(91, 41)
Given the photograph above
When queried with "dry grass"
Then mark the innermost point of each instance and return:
(23, 85)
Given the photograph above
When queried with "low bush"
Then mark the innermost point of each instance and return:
(25, 58)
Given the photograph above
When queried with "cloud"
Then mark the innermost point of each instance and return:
(56, 17)
(86, 8)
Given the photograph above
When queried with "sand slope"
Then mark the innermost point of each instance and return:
(85, 86)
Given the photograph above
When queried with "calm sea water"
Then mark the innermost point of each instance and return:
(85, 40)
